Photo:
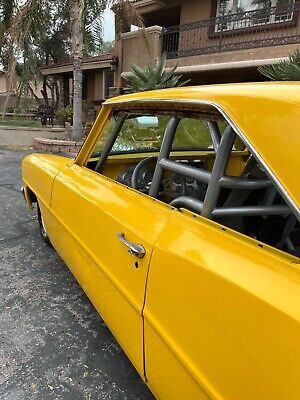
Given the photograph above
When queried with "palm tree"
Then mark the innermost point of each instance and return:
(153, 77)
(48, 43)
(284, 70)
(85, 16)
(27, 18)
(76, 13)
(7, 54)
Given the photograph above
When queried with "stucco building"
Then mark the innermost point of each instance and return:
(213, 41)
(98, 77)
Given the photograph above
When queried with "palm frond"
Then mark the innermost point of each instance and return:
(284, 70)
(126, 13)
(153, 77)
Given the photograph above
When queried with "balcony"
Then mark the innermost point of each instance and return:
(272, 26)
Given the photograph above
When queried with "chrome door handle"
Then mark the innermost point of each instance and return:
(137, 250)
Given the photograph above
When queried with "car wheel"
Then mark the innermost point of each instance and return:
(42, 227)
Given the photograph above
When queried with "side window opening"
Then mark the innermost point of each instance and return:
(199, 163)
(248, 203)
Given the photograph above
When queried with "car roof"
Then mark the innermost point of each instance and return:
(266, 115)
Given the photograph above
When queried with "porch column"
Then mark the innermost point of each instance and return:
(61, 90)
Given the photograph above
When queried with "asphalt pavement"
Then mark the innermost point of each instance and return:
(53, 344)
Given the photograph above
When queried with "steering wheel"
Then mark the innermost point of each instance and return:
(142, 176)
(138, 180)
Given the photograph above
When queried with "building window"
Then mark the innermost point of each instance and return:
(240, 14)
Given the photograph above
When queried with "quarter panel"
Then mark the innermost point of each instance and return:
(227, 310)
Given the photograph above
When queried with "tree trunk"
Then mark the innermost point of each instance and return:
(76, 14)
(34, 95)
(11, 77)
(44, 91)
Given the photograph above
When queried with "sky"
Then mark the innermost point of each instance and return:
(108, 25)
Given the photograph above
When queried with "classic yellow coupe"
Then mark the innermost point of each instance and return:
(180, 220)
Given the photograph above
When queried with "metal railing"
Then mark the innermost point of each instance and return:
(265, 27)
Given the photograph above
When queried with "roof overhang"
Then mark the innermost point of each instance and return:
(219, 66)
(68, 67)
(144, 6)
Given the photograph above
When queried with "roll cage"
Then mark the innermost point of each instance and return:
(215, 179)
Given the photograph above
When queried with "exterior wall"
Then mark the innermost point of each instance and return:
(92, 86)
(2, 83)
(206, 35)
(218, 51)
(138, 48)
(98, 85)
(134, 52)
(90, 83)
(195, 10)
(95, 81)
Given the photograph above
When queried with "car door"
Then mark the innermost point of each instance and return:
(90, 213)
(222, 315)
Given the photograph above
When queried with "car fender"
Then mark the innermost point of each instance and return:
(39, 172)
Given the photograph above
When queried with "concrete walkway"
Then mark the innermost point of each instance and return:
(53, 345)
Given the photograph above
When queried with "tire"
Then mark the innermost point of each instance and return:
(42, 228)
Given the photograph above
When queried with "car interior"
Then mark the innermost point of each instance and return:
(195, 160)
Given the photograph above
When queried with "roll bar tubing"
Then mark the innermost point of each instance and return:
(197, 206)
(216, 179)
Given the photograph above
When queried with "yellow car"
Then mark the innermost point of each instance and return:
(180, 220)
